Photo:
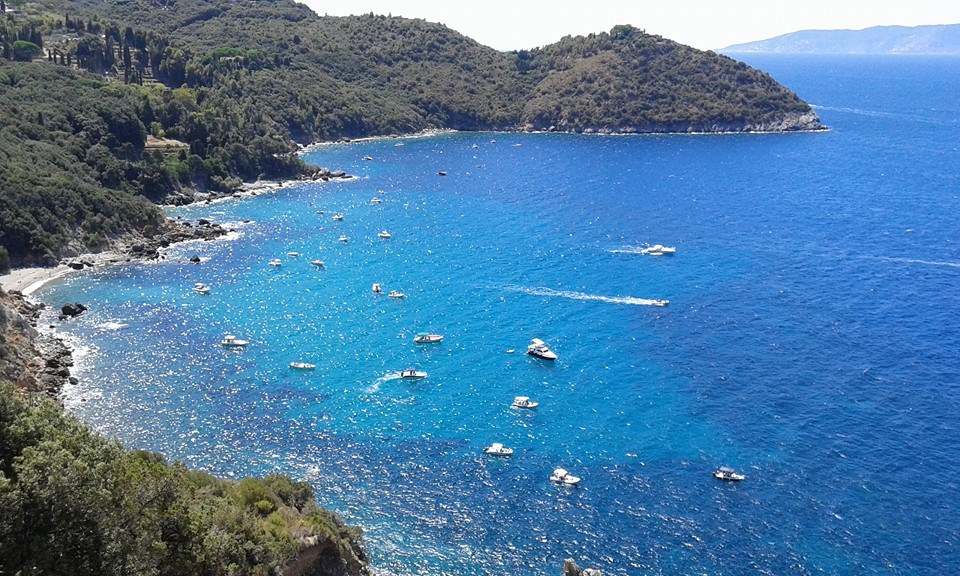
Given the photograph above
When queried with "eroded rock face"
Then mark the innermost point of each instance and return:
(32, 361)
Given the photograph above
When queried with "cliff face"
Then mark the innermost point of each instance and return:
(33, 362)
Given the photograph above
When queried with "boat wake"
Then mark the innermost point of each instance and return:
(373, 388)
(113, 326)
(881, 114)
(629, 300)
(627, 250)
(946, 264)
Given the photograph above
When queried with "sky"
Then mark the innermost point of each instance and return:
(704, 24)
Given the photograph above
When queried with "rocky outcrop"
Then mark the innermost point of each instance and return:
(71, 310)
(322, 556)
(789, 122)
(570, 568)
(34, 362)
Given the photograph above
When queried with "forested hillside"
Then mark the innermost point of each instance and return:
(77, 503)
(240, 82)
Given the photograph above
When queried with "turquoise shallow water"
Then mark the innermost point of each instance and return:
(810, 341)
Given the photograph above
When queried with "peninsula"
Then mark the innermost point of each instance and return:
(234, 88)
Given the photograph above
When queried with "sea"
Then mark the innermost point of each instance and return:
(810, 341)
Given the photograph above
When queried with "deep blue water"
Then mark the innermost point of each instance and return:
(811, 341)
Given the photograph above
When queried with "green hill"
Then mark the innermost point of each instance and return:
(241, 81)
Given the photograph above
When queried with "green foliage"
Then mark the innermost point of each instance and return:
(25, 51)
(76, 503)
(70, 163)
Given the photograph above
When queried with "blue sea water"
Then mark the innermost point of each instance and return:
(811, 341)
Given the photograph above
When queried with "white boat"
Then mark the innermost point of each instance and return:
(383, 234)
(524, 402)
(395, 294)
(375, 200)
(275, 262)
(317, 263)
(302, 366)
(659, 250)
(367, 158)
(231, 341)
(561, 476)
(727, 473)
(539, 349)
(201, 288)
(411, 373)
(376, 288)
(343, 238)
(659, 302)
(293, 254)
(338, 216)
(497, 449)
(425, 338)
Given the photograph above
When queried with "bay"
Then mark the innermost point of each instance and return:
(810, 341)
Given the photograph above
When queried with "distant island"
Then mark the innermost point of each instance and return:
(916, 40)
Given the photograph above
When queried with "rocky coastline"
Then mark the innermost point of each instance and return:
(38, 362)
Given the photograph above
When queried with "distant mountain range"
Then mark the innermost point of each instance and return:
(918, 40)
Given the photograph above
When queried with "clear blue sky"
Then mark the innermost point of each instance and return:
(704, 24)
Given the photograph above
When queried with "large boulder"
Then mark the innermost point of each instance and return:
(71, 310)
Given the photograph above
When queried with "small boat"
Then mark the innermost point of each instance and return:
(376, 200)
(381, 192)
(376, 288)
(539, 349)
(231, 341)
(561, 476)
(383, 234)
(343, 238)
(497, 449)
(317, 263)
(395, 294)
(293, 254)
(727, 473)
(659, 302)
(399, 144)
(320, 212)
(338, 217)
(414, 374)
(275, 262)
(659, 250)
(302, 366)
(367, 158)
(425, 338)
(201, 288)
(524, 402)
(442, 173)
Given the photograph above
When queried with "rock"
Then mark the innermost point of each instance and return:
(195, 259)
(570, 568)
(338, 174)
(75, 265)
(73, 380)
(203, 222)
(71, 310)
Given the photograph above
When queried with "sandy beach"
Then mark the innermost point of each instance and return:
(29, 280)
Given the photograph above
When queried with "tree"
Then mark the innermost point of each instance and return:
(25, 51)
